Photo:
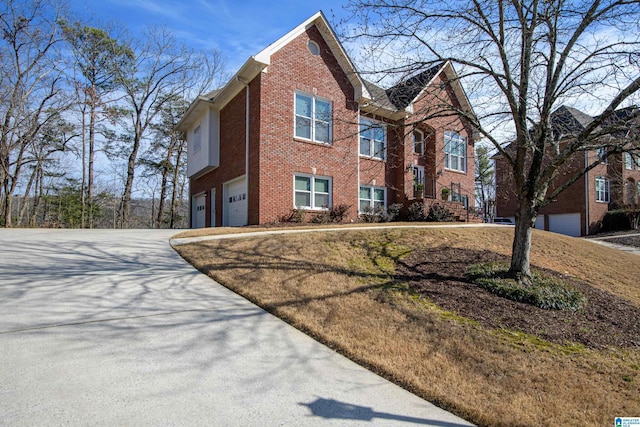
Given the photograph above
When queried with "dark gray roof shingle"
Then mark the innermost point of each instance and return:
(404, 93)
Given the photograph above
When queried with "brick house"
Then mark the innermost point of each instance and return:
(297, 127)
(580, 209)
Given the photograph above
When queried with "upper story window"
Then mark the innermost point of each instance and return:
(602, 189)
(455, 151)
(602, 155)
(418, 142)
(628, 161)
(373, 138)
(372, 198)
(312, 192)
(313, 48)
(313, 118)
(197, 139)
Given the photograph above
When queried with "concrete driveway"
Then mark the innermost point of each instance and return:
(113, 328)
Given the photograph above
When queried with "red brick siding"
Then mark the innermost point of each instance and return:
(293, 68)
(232, 155)
(428, 107)
(572, 200)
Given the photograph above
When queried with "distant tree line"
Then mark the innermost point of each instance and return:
(87, 117)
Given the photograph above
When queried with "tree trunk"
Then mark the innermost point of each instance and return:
(520, 256)
(7, 205)
(125, 211)
(92, 137)
(83, 185)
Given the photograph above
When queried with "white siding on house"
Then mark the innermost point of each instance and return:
(207, 157)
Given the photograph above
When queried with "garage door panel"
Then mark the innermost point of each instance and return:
(568, 224)
(198, 211)
(236, 204)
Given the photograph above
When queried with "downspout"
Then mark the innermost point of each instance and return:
(246, 142)
(358, 163)
(586, 196)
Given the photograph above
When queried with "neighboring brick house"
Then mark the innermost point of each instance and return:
(579, 210)
(297, 127)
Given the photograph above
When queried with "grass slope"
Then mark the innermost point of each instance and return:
(351, 290)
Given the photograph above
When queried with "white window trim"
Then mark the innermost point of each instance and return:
(313, 47)
(462, 158)
(629, 161)
(313, 117)
(312, 191)
(602, 152)
(372, 124)
(413, 140)
(606, 192)
(371, 199)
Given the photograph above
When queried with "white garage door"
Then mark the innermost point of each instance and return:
(539, 222)
(235, 203)
(198, 211)
(568, 224)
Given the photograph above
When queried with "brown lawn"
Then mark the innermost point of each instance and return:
(398, 302)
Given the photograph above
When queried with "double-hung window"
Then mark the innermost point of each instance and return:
(602, 189)
(602, 155)
(372, 198)
(313, 118)
(455, 151)
(373, 137)
(312, 192)
(418, 142)
(628, 160)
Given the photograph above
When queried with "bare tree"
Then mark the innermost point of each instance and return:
(30, 86)
(160, 69)
(519, 61)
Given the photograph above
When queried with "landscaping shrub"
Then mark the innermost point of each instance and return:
(296, 215)
(335, 215)
(546, 291)
(615, 220)
(380, 214)
(416, 212)
(439, 213)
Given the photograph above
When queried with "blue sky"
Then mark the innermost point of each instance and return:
(238, 29)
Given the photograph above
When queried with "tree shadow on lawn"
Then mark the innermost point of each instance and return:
(438, 274)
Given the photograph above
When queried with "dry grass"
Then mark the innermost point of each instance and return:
(216, 231)
(340, 288)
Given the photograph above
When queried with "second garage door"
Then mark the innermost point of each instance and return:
(568, 224)
(235, 203)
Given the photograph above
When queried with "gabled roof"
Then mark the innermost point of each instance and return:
(397, 101)
(256, 64)
(566, 120)
(405, 92)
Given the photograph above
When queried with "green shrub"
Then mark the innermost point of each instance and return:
(546, 291)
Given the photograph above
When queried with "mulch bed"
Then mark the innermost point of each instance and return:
(606, 321)
(625, 240)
